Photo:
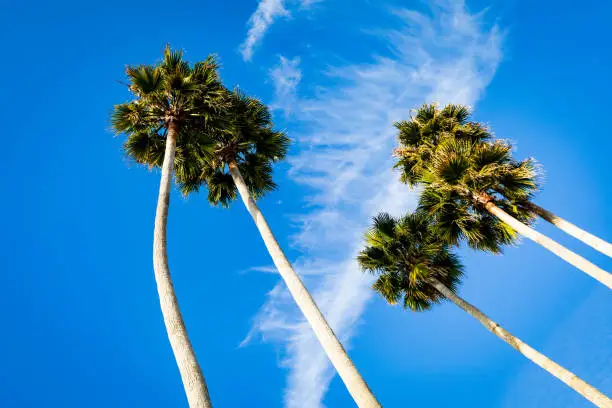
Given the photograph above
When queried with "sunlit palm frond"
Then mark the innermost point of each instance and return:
(458, 113)
(145, 79)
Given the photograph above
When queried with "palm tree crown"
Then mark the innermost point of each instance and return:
(249, 140)
(407, 254)
(240, 130)
(461, 167)
(173, 91)
(463, 176)
(420, 135)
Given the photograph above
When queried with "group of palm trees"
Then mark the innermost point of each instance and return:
(203, 135)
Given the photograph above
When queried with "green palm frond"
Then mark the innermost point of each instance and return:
(257, 173)
(145, 148)
(221, 189)
(389, 287)
(145, 79)
(173, 62)
(458, 113)
(426, 113)
(134, 117)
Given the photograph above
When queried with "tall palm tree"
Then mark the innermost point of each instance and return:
(417, 267)
(170, 100)
(238, 160)
(469, 178)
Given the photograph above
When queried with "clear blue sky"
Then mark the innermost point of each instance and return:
(81, 325)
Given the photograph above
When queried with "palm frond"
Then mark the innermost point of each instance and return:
(145, 79)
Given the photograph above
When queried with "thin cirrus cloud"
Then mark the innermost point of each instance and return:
(345, 158)
(286, 77)
(267, 12)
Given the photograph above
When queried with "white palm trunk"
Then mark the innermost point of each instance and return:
(570, 379)
(576, 232)
(191, 374)
(553, 246)
(353, 381)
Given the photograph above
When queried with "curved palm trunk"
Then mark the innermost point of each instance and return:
(570, 379)
(576, 232)
(353, 381)
(191, 374)
(553, 246)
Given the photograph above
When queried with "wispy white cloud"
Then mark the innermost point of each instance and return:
(267, 12)
(345, 159)
(286, 77)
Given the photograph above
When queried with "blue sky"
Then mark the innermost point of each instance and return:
(81, 321)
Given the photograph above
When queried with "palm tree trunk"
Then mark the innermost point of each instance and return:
(553, 246)
(191, 374)
(576, 232)
(353, 381)
(570, 379)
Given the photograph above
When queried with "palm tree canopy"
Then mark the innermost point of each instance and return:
(249, 140)
(457, 160)
(419, 136)
(191, 96)
(216, 127)
(406, 254)
(461, 176)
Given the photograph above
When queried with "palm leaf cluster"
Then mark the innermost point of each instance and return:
(461, 166)
(240, 130)
(406, 254)
(191, 96)
(249, 140)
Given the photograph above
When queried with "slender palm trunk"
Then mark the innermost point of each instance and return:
(353, 381)
(191, 374)
(570, 379)
(576, 232)
(553, 246)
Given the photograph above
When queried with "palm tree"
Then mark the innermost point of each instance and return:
(170, 100)
(417, 267)
(469, 178)
(238, 160)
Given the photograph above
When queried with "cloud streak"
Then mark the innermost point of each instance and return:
(286, 77)
(345, 161)
(267, 12)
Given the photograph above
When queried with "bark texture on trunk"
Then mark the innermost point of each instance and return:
(570, 379)
(576, 232)
(191, 374)
(353, 381)
(553, 246)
